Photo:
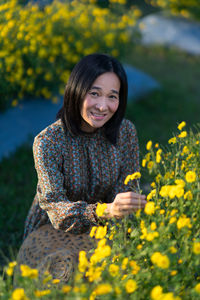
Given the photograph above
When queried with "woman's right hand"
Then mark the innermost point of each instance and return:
(124, 204)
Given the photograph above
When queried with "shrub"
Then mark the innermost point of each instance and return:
(40, 46)
(184, 8)
(156, 253)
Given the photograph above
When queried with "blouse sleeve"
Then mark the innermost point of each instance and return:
(129, 150)
(76, 217)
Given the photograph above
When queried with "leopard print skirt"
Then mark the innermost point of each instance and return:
(55, 251)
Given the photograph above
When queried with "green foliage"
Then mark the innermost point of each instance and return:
(40, 46)
(184, 8)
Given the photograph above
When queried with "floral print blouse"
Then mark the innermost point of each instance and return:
(76, 172)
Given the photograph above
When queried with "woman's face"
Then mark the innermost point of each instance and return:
(101, 102)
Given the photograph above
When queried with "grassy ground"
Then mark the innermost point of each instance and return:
(155, 117)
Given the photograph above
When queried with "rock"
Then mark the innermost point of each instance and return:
(25, 121)
(171, 31)
(139, 83)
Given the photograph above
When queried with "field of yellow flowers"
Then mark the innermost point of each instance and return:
(154, 254)
(40, 46)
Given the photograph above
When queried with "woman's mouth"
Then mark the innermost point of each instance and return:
(97, 116)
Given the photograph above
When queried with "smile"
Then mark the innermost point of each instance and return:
(98, 116)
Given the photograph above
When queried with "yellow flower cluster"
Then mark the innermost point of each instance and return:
(19, 294)
(133, 176)
(162, 261)
(157, 294)
(101, 209)
(39, 47)
(183, 221)
(154, 254)
(26, 271)
(10, 268)
(172, 191)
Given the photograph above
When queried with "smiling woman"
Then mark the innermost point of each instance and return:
(81, 159)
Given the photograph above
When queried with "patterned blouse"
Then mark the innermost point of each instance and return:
(76, 172)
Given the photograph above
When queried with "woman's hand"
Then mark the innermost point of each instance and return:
(124, 204)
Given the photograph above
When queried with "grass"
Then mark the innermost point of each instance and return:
(17, 187)
(155, 117)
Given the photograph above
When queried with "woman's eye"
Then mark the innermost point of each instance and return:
(94, 93)
(113, 97)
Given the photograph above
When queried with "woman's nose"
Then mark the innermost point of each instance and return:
(102, 104)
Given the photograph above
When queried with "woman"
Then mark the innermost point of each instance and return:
(81, 159)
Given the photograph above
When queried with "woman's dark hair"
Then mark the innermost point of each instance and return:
(80, 81)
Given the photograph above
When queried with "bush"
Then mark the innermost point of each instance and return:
(40, 46)
(184, 8)
(154, 255)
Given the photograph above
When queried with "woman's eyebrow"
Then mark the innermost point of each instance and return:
(98, 88)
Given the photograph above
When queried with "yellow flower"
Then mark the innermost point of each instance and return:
(144, 161)
(150, 164)
(101, 232)
(129, 230)
(151, 236)
(134, 266)
(173, 249)
(113, 270)
(28, 272)
(197, 288)
(153, 226)
(181, 125)
(101, 209)
(151, 194)
(93, 231)
(196, 248)
(9, 271)
(39, 293)
(66, 289)
(173, 273)
(172, 220)
(139, 247)
(188, 195)
(180, 261)
(19, 294)
(190, 176)
(164, 192)
(83, 262)
(149, 145)
(173, 212)
(183, 221)
(162, 261)
(185, 150)
(180, 182)
(117, 290)
(149, 208)
(55, 281)
(103, 289)
(134, 176)
(124, 263)
(130, 286)
(182, 134)
(172, 140)
(158, 155)
(153, 185)
(156, 292)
